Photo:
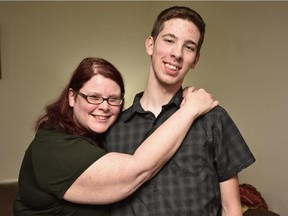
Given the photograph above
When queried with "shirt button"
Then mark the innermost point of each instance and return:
(155, 189)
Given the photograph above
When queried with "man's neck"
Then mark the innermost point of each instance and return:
(154, 98)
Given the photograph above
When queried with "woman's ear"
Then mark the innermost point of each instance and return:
(71, 97)
(149, 45)
(195, 61)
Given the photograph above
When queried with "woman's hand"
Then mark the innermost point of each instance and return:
(198, 101)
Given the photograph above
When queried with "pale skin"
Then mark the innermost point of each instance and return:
(230, 197)
(173, 53)
(115, 175)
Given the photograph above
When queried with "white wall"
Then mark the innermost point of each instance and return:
(243, 62)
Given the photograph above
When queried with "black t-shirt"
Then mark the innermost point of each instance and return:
(52, 162)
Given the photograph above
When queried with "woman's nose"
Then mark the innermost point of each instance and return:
(104, 105)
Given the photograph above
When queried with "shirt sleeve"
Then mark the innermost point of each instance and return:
(59, 159)
(232, 154)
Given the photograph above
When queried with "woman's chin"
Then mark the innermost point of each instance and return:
(99, 130)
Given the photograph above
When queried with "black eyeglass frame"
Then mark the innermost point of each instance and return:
(109, 99)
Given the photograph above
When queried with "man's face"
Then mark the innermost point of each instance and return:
(174, 51)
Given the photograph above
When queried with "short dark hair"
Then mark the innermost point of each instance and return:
(181, 12)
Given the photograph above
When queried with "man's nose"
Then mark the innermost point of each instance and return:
(177, 51)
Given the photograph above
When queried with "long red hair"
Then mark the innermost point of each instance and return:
(59, 114)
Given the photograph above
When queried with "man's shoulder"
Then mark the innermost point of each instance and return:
(216, 111)
(215, 115)
(126, 113)
(122, 118)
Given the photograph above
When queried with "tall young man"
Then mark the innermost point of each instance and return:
(201, 179)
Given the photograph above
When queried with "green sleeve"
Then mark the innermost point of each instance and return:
(59, 159)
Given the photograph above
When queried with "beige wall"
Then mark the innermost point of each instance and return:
(243, 62)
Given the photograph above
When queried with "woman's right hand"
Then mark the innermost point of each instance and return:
(198, 101)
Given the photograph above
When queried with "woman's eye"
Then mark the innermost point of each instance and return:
(95, 98)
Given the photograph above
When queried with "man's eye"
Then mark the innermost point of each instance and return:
(192, 48)
(168, 40)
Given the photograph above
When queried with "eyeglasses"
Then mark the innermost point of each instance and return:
(96, 100)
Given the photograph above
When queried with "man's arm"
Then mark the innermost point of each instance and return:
(230, 197)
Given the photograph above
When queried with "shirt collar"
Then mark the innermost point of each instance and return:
(137, 108)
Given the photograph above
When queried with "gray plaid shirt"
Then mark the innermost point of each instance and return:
(188, 185)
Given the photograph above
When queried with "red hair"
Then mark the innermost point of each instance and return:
(59, 114)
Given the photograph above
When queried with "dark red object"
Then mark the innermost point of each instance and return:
(251, 197)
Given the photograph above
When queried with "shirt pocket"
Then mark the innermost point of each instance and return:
(189, 160)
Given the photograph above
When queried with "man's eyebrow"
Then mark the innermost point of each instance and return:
(174, 36)
(169, 35)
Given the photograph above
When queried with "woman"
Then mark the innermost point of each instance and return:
(65, 171)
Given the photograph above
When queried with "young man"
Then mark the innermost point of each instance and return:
(201, 179)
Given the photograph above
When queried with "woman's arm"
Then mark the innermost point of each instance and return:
(230, 197)
(115, 175)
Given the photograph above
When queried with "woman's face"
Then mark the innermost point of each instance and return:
(97, 118)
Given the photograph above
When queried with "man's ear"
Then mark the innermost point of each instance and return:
(149, 45)
(195, 61)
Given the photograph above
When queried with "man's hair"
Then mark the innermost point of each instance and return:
(181, 12)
